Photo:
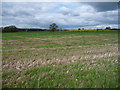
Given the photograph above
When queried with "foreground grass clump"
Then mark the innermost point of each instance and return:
(60, 59)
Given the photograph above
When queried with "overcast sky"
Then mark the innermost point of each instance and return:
(66, 15)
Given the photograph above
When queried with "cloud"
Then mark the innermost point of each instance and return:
(104, 6)
(66, 15)
(61, 1)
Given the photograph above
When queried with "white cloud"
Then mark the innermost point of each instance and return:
(66, 16)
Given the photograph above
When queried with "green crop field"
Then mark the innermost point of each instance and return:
(62, 59)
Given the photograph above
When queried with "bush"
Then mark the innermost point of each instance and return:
(10, 29)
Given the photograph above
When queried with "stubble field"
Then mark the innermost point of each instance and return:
(63, 59)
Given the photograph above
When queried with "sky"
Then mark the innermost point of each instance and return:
(67, 15)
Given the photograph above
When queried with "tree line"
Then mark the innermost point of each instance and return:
(52, 27)
(15, 29)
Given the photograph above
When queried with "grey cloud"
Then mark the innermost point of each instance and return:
(40, 15)
(104, 6)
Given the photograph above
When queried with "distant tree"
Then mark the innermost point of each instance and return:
(97, 29)
(82, 28)
(53, 27)
(108, 28)
(10, 29)
(79, 29)
(114, 29)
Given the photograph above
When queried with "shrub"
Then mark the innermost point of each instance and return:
(10, 29)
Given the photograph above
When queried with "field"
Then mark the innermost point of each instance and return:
(63, 59)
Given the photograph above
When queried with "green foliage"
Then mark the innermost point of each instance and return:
(53, 27)
(10, 29)
(108, 28)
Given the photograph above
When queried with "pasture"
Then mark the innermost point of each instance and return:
(62, 59)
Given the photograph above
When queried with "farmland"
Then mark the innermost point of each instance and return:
(62, 59)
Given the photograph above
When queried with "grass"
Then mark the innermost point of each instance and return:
(73, 77)
(64, 59)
